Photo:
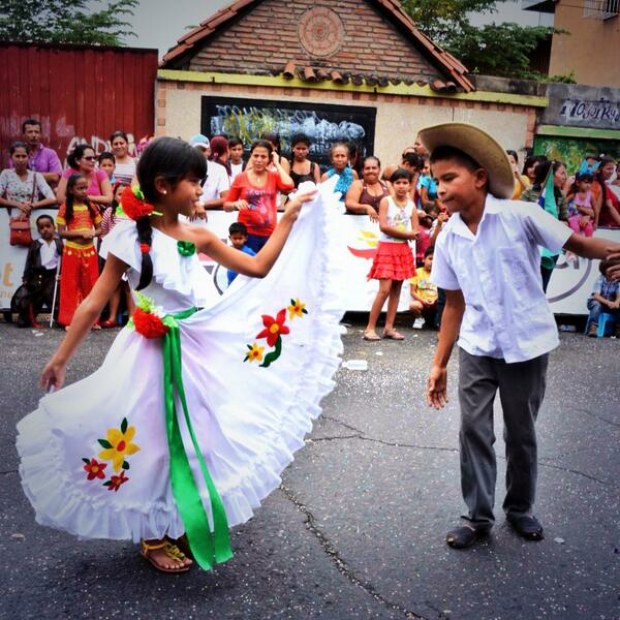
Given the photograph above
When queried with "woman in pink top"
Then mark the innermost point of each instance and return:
(82, 161)
(254, 193)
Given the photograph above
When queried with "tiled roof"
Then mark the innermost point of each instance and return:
(445, 62)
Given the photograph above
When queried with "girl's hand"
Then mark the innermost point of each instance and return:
(53, 376)
(293, 205)
(437, 387)
(240, 205)
(413, 235)
(372, 214)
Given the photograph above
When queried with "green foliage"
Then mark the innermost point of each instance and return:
(499, 49)
(496, 49)
(65, 21)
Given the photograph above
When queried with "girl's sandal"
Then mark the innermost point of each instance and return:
(170, 550)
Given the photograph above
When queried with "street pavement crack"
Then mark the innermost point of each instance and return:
(341, 565)
(597, 417)
(569, 470)
(8, 471)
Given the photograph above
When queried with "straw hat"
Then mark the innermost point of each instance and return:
(480, 146)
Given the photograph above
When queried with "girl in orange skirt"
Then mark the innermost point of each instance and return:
(393, 263)
(78, 223)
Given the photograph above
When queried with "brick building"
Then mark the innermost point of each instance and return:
(349, 69)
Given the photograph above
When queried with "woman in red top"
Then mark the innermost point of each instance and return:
(254, 193)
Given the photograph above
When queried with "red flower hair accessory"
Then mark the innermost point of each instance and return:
(147, 319)
(134, 205)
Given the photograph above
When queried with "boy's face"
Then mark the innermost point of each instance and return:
(107, 165)
(236, 153)
(238, 240)
(46, 229)
(458, 187)
(401, 186)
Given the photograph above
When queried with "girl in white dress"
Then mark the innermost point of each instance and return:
(200, 402)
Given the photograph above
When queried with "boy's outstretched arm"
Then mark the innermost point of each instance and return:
(591, 247)
(436, 392)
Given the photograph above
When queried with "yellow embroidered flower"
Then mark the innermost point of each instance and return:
(118, 445)
(297, 308)
(255, 353)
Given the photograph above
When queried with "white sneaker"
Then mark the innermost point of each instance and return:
(419, 323)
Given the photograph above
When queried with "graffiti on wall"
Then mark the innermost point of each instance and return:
(593, 112)
(323, 124)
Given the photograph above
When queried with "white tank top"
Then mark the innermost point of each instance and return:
(397, 217)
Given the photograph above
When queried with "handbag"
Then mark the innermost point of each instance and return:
(19, 225)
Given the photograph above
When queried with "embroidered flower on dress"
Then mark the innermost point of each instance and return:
(115, 482)
(94, 469)
(273, 332)
(297, 308)
(274, 327)
(255, 353)
(118, 445)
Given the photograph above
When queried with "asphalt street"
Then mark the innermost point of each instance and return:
(357, 528)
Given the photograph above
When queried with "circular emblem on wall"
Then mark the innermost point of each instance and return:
(321, 31)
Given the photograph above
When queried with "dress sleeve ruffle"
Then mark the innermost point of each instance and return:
(122, 242)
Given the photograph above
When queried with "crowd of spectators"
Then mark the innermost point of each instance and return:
(585, 199)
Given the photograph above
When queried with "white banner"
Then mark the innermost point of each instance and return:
(570, 286)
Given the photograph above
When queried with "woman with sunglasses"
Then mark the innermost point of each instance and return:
(82, 161)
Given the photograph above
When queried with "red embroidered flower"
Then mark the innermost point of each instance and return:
(148, 325)
(274, 327)
(115, 482)
(133, 203)
(94, 469)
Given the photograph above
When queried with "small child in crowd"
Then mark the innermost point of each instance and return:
(423, 303)
(238, 235)
(39, 274)
(605, 298)
(235, 157)
(107, 163)
(79, 223)
(393, 262)
(581, 205)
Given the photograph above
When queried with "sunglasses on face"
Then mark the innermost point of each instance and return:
(89, 157)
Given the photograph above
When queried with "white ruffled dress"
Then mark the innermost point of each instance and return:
(94, 455)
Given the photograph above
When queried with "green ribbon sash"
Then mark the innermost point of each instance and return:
(207, 545)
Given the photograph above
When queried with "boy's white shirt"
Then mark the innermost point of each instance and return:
(498, 270)
(49, 254)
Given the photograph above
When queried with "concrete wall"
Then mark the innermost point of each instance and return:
(591, 49)
(398, 117)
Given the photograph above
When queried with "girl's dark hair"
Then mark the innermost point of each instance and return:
(300, 138)
(77, 153)
(170, 159)
(414, 160)
(585, 177)
(106, 155)
(400, 173)
(513, 154)
(234, 142)
(272, 137)
(119, 134)
(219, 150)
(17, 145)
(69, 200)
(531, 160)
(265, 144)
(542, 170)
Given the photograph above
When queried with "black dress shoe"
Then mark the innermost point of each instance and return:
(465, 536)
(527, 526)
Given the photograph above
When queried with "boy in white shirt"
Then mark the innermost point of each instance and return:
(40, 273)
(487, 259)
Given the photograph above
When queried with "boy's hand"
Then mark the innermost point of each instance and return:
(436, 391)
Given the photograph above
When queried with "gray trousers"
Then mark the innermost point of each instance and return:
(521, 391)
